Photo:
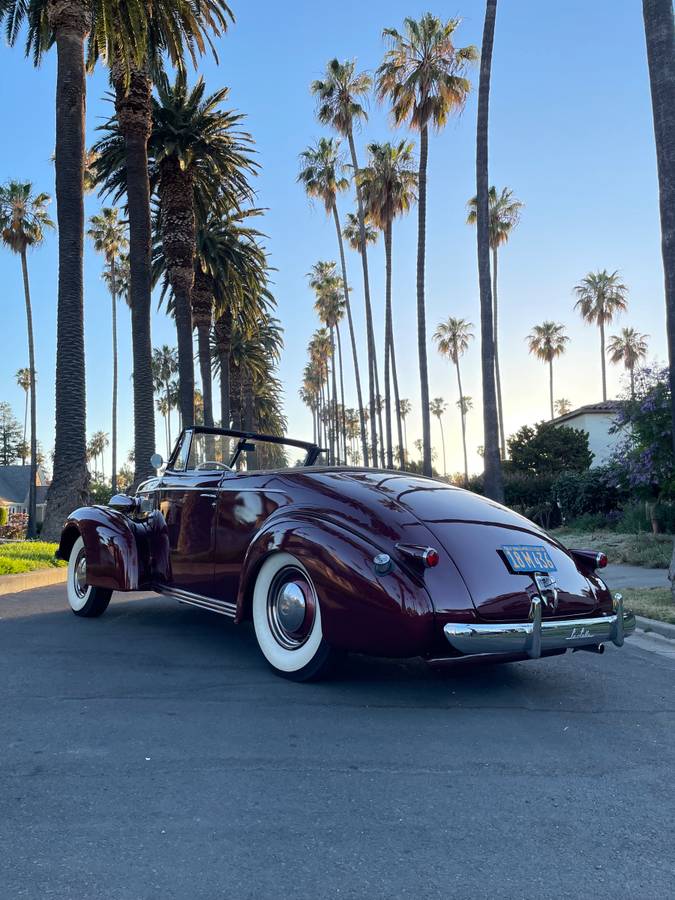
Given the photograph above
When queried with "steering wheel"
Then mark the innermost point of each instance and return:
(210, 465)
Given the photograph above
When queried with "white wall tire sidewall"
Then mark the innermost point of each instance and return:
(277, 656)
(76, 602)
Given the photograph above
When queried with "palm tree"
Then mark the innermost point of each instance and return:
(160, 29)
(563, 406)
(452, 339)
(547, 342)
(330, 308)
(437, 407)
(164, 368)
(23, 379)
(109, 237)
(660, 35)
(200, 156)
(389, 188)
(237, 268)
(66, 26)
(322, 175)
(404, 410)
(23, 220)
(423, 75)
(339, 95)
(628, 347)
(351, 232)
(494, 487)
(600, 296)
(504, 212)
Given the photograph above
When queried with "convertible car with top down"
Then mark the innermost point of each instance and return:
(331, 559)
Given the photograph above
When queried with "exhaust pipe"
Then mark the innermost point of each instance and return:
(591, 648)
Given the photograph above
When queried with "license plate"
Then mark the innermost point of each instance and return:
(527, 558)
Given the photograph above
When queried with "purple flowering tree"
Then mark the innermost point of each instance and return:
(643, 460)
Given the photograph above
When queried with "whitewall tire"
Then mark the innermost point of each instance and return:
(83, 599)
(287, 620)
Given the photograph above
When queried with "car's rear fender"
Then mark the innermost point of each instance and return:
(122, 554)
(361, 611)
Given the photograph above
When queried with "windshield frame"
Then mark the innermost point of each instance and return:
(182, 449)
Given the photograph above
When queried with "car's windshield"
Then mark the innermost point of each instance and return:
(202, 450)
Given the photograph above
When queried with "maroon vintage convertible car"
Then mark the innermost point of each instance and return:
(328, 559)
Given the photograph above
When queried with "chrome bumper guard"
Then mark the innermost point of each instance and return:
(537, 636)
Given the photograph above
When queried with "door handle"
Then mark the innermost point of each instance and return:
(207, 494)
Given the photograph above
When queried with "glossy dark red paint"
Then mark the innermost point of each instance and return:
(208, 533)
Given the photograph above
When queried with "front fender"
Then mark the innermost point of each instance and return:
(383, 615)
(122, 554)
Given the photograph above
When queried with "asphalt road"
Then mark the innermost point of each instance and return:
(152, 754)
(620, 576)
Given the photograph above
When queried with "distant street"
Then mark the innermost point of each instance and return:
(152, 754)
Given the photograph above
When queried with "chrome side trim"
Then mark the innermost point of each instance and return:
(224, 607)
(538, 635)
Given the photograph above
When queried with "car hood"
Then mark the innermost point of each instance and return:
(472, 529)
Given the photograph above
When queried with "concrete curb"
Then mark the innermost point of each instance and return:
(12, 584)
(665, 629)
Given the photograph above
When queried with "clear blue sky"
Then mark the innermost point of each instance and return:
(571, 134)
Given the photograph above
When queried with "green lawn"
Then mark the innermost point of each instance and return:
(651, 550)
(26, 556)
(654, 603)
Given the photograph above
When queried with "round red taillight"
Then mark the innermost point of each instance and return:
(600, 561)
(430, 557)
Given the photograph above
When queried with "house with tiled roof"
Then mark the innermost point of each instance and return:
(596, 419)
(14, 487)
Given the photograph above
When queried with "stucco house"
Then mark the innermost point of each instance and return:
(595, 419)
(14, 485)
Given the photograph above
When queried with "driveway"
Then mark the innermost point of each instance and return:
(152, 754)
(620, 576)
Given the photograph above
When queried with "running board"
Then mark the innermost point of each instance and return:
(218, 606)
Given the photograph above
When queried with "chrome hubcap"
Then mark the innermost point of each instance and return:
(290, 608)
(80, 575)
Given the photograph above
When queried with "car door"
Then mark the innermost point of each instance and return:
(188, 502)
(245, 501)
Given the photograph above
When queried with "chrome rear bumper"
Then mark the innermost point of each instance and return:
(537, 635)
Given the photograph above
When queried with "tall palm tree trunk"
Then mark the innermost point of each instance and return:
(343, 416)
(204, 349)
(632, 382)
(602, 362)
(223, 336)
(70, 483)
(405, 443)
(334, 406)
(178, 242)
(493, 473)
(421, 311)
(113, 295)
(31, 529)
(550, 385)
(392, 352)
(25, 418)
(463, 420)
(167, 387)
(445, 467)
(388, 345)
(355, 356)
(660, 37)
(498, 374)
(133, 108)
(373, 380)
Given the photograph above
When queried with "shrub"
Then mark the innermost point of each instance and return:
(4, 515)
(548, 449)
(587, 493)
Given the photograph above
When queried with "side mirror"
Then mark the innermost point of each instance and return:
(156, 461)
(122, 503)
